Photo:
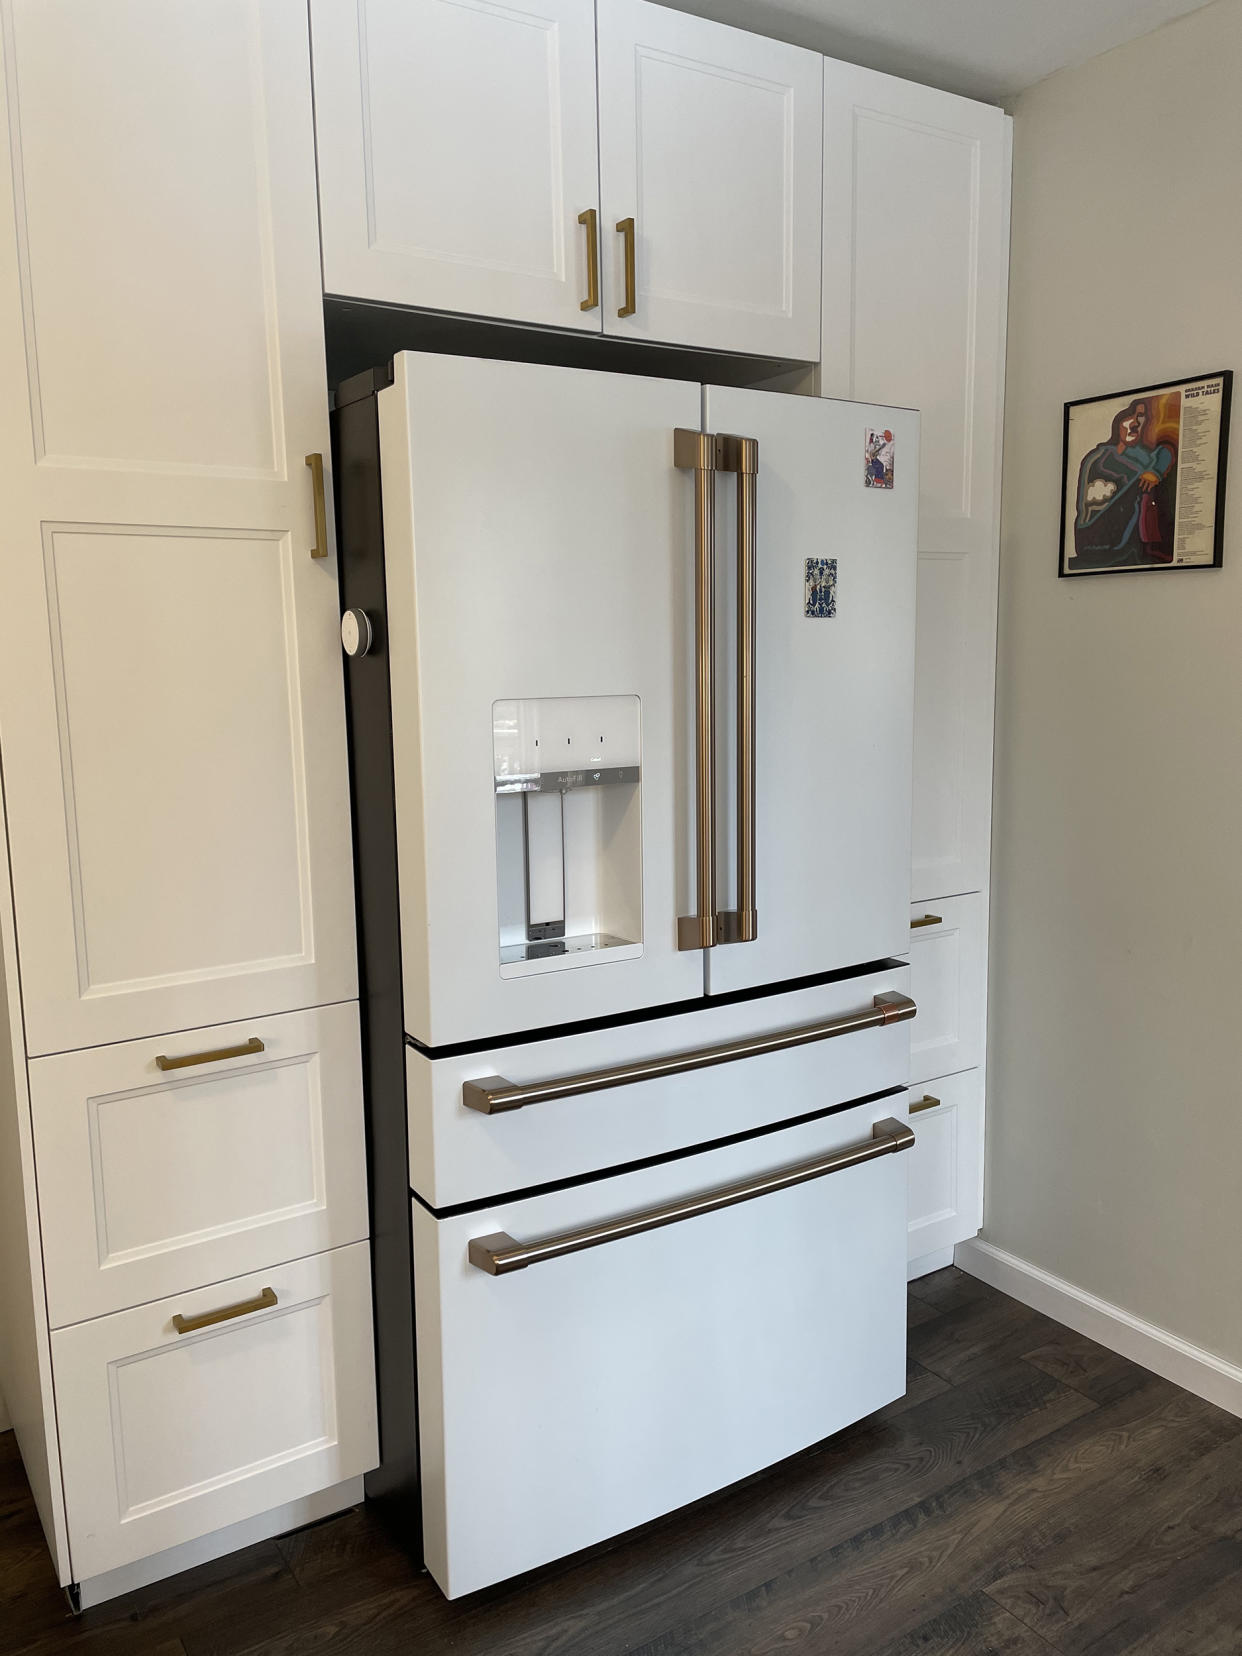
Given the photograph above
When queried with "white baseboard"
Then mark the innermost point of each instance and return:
(1189, 1366)
(110, 1585)
(927, 1263)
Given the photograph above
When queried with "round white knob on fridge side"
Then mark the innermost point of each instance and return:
(356, 632)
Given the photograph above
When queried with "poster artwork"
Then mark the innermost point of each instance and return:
(879, 469)
(1143, 479)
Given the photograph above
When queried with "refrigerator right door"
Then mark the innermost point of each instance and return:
(835, 542)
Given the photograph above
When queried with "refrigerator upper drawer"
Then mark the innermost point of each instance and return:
(458, 1154)
(591, 1391)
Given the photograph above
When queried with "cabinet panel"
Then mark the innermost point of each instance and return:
(710, 139)
(632, 1369)
(281, 1400)
(948, 964)
(170, 686)
(946, 1192)
(155, 1180)
(457, 147)
(916, 188)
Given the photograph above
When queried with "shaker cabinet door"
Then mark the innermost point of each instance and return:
(710, 156)
(170, 682)
(916, 191)
(457, 150)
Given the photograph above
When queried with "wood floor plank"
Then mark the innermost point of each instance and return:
(971, 1338)
(951, 1289)
(1092, 1369)
(1198, 1612)
(885, 1581)
(973, 1626)
(1081, 1591)
(921, 1384)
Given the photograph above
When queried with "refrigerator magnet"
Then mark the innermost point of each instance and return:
(821, 588)
(879, 468)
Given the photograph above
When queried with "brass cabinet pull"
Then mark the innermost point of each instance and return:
(741, 455)
(499, 1253)
(696, 451)
(589, 218)
(492, 1094)
(320, 548)
(205, 1319)
(927, 920)
(254, 1044)
(625, 228)
(927, 1102)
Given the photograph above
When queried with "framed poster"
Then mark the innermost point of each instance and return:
(1143, 478)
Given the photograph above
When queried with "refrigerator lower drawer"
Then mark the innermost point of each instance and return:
(665, 1357)
(460, 1154)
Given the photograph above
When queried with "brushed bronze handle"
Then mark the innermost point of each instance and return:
(589, 219)
(492, 1094)
(625, 228)
(927, 920)
(927, 1102)
(205, 1319)
(741, 455)
(320, 548)
(696, 451)
(499, 1253)
(254, 1044)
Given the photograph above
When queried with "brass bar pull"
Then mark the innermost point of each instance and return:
(492, 1094)
(320, 548)
(927, 1102)
(696, 451)
(741, 455)
(254, 1044)
(205, 1319)
(589, 219)
(927, 920)
(499, 1254)
(625, 227)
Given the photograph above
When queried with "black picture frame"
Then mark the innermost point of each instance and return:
(1133, 554)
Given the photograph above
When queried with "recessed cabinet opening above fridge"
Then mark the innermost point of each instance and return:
(626, 618)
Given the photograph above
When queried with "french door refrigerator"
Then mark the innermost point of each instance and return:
(631, 704)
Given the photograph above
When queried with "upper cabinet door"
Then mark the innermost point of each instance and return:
(457, 151)
(916, 193)
(170, 682)
(710, 142)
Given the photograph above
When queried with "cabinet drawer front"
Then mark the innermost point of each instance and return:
(165, 1436)
(459, 1155)
(948, 963)
(157, 1179)
(584, 1394)
(946, 1195)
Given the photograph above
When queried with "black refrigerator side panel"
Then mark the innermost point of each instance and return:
(360, 539)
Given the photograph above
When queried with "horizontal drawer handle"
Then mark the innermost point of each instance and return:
(927, 1102)
(499, 1253)
(254, 1044)
(190, 1325)
(927, 920)
(490, 1094)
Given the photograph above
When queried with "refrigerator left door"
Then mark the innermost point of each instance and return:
(538, 554)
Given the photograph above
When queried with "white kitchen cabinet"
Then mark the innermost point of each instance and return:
(170, 686)
(916, 193)
(948, 982)
(457, 150)
(631, 1368)
(710, 143)
(243, 1148)
(168, 1433)
(945, 1164)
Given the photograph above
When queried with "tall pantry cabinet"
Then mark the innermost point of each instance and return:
(916, 243)
(184, 1218)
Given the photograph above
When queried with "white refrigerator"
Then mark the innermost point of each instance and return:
(631, 701)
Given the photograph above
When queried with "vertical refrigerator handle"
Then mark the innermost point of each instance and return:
(696, 451)
(741, 455)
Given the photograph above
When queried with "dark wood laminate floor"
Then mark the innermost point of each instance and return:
(1032, 1494)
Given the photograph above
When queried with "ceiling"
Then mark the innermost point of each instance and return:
(990, 49)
